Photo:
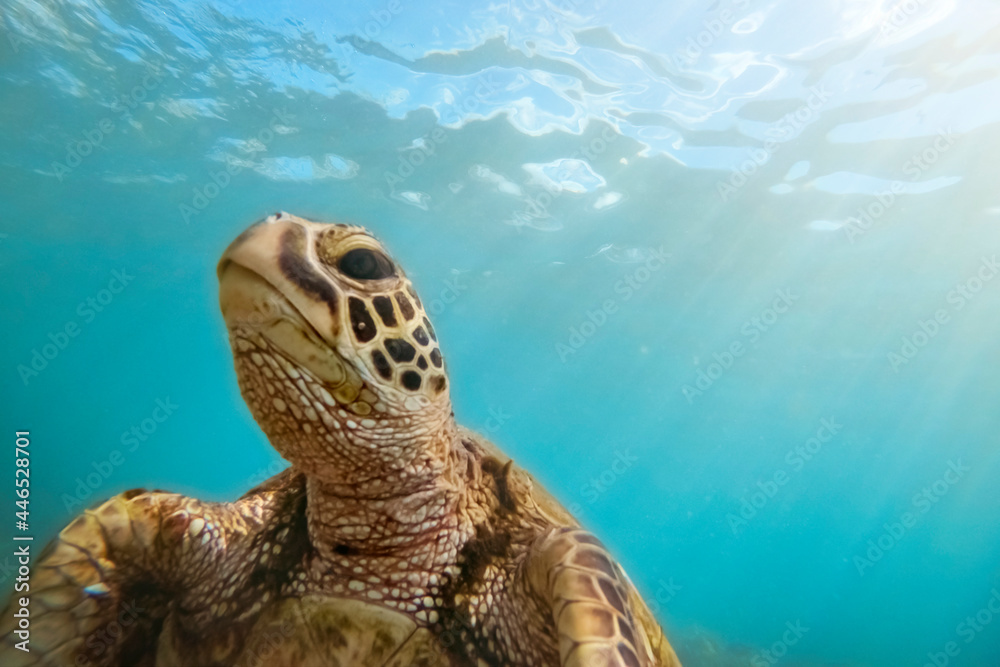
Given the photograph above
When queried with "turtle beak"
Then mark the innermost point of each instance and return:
(265, 273)
(238, 245)
(246, 295)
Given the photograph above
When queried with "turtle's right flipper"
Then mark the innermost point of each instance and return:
(600, 620)
(99, 590)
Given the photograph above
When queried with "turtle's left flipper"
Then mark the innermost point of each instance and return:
(99, 588)
(594, 605)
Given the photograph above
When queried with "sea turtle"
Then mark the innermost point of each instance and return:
(396, 537)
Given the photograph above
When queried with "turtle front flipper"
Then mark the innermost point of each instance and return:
(600, 620)
(99, 592)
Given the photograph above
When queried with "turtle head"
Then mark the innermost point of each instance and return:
(334, 353)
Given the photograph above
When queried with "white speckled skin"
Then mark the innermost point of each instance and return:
(396, 537)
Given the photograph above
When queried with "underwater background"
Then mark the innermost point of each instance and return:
(721, 274)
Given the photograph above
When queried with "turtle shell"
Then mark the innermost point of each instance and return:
(314, 631)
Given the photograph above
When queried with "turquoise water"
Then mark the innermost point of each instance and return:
(721, 274)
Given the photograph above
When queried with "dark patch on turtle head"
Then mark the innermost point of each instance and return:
(294, 266)
(361, 320)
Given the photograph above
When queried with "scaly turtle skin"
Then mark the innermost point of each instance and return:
(395, 538)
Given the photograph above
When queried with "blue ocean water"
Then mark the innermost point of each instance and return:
(720, 273)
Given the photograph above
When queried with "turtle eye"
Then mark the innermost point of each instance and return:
(365, 264)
